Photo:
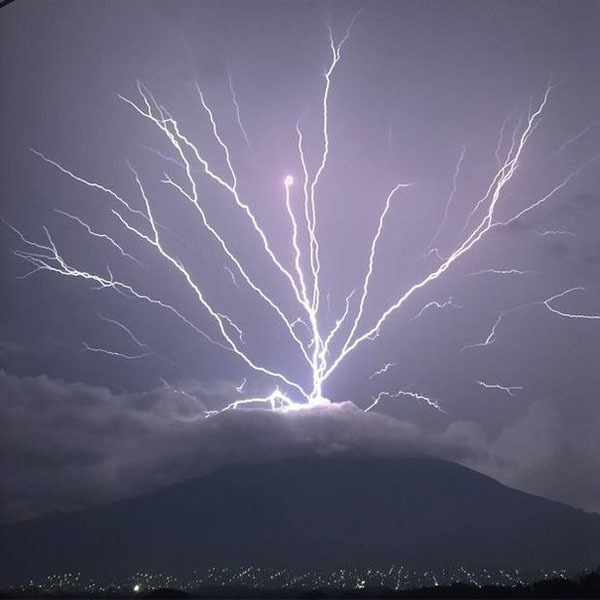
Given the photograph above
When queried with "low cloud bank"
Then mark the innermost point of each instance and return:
(548, 453)
(69, 445)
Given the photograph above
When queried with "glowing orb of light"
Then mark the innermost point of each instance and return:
(136, 587)
(288, 180)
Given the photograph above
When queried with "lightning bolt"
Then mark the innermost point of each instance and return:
(481, 229)
(576, 137)
(490, 338)
(323, 343)
(498, 152)
(102, 236)
(238, 115)
(126, 329)
(449, 303)
(163, 156)
(383, 369)
(233, 279)
(117, 354)
(492, 335)
(555, 232)
(431, 402)
(568, 315)
(167, 386)
(449, 201)
(510, 390)
(500, 272)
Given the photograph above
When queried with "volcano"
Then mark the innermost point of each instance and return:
(313, 513)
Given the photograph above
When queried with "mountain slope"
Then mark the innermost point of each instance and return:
(309, 512)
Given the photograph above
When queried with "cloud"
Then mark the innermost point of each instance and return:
(67, 445)
(548, 453)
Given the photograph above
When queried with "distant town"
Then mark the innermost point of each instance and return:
(394, 577)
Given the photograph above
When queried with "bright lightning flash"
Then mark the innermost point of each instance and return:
(323, 348)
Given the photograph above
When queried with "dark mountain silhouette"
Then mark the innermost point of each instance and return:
(309, 513)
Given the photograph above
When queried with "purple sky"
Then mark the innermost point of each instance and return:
(417, 83)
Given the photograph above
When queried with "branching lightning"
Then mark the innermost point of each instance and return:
(548, 232)
(501, 272)
(117, 354)
(577, 137)
(448, 303)
(568, 315)
(240, 388)
(238, 114)
(98, 235)
(383, 369)
(232, 275)
(321, 342)
(491, 336)
(508, 389)
(547, 303)
(449, 201)
(126, 329)
(431, 402)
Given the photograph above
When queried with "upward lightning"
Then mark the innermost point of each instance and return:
(569, 315)
(320, 341)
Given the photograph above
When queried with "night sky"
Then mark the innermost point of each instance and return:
(419, 84)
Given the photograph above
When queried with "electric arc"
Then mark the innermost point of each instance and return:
(322, 343)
